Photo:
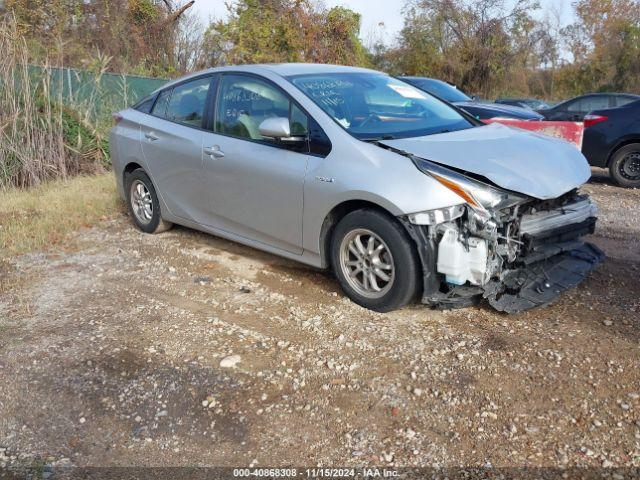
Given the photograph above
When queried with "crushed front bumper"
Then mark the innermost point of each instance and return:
(540, 283)
(554, 264)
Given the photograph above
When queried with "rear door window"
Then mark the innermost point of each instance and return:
(187, 102)
(184, 103)
(160, 108)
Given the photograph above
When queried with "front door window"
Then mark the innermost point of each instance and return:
(244, 102)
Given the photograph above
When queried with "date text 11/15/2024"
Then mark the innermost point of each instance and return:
(366, 472)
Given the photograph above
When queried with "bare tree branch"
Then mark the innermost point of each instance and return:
(178, 13)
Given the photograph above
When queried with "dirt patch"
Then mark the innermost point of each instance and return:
(110, 355)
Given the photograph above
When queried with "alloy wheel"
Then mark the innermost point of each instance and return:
(367, 263)
(141, 202)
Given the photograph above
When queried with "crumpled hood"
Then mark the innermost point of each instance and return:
(536, 165)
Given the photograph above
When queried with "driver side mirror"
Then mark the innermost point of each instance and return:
(278, 128)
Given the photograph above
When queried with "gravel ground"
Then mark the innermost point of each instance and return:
(187, 350)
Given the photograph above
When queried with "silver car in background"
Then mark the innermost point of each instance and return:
(401, 194)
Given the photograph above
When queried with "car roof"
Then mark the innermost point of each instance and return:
(597, 94)
(282, 69)
(607, 94)
(289, 69)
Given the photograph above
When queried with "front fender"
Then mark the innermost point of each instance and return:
(380, 177)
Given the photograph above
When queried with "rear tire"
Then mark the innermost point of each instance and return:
(375, 260)
(143, 203)
(625, 166)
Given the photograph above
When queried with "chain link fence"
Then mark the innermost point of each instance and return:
(96, 95)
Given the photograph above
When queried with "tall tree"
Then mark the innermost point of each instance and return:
(258, 31)
(472, 43)
(604, 42)
(136, 34)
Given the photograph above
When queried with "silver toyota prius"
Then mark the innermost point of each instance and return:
(402, 195)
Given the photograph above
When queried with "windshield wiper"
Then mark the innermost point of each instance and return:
(377, 139)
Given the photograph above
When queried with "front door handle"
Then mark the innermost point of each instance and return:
(151, 136)
(214, 151)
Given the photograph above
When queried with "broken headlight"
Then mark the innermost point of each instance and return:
(437, 216)
(480, 196)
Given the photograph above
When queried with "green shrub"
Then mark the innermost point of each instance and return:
(83, 141)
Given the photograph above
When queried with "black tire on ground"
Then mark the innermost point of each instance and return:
(155, 224)
(405, 284)
(625, 166)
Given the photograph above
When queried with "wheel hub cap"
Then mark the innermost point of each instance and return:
(367, 263)
(141, 202)
(630, 166)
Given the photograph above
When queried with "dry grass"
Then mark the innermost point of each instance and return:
(43, 134)
(31, 135)
(40, 217)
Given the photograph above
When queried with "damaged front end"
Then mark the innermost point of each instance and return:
(515, 251)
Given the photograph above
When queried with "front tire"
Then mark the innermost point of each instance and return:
(143, 203)
(375, 261)
(625, 166)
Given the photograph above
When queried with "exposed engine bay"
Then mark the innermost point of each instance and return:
(518, 256)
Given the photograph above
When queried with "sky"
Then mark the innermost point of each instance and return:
(381, 19)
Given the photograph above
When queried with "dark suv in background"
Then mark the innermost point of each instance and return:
(612, 140)
(575, 109)
(480, 110)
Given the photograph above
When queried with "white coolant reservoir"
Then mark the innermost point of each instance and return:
(451, 258)
(459, 264)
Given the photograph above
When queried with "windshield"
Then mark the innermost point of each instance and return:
(374, 106)
(535, 104)
(441, 89)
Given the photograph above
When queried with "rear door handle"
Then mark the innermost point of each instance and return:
(151, 136)
(214, 151)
